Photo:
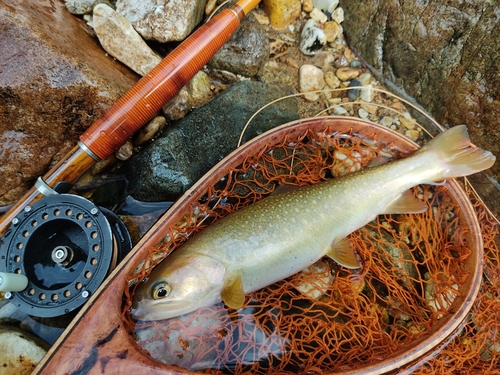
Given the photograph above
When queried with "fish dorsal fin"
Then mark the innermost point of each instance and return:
(342, 252)
(232, 294)
(406, 203)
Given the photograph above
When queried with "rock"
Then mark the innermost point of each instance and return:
(307, 6)
(332, 80)
(346, 73)
(353, 94)
(312, 38)
(332, 31)
(282, 13)
(366, 93)
(79, 6)
(246, 51)
(20, 351)
(318, 16)
(338, 15)
(44, 50)
(163, 20)
(194, 94)
(444, 54)
(314, 281)
(209, 8)
(169, 166)
(148, 131)
(326, 5)
(125, 151)
(120, 40)
(311, 78)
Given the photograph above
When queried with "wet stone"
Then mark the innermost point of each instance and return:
(46, 50)
(353, 94)
(169, 166)
(246, 51)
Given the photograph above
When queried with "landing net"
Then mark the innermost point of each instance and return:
(327, 318)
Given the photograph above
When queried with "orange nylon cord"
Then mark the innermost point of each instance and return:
(330, 319)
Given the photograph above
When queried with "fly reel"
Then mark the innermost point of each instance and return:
(65, 246)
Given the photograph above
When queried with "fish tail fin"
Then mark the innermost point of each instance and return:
(459, 155)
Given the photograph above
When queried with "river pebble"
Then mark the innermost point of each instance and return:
(346, 73)
(120, 40)
(197, 92)
(312, 38)
(282, 13)
(311, 78)
(318, 16)
(79, 6)
(147, 132)
(332, 30)
(326, 5)
(366, 93)
(307, 6)
(338, 15)
(162, 20)
(332, 80)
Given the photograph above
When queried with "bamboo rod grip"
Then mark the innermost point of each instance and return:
(146, 98)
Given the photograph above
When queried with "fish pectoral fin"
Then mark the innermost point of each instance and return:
(232, 294)
(406, 203)
(343, 253)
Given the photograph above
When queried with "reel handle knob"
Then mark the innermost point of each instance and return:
(12, 282)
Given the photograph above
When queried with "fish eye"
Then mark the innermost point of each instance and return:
(161, 290)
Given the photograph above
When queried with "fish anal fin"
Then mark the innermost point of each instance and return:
(232, 294)
(343, 253)
(406, 203)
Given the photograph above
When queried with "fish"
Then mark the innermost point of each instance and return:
(282, 234)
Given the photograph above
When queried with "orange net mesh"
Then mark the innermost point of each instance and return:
(327, 318)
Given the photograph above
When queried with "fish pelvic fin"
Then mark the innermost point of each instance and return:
(232, 294)
(405, 203)
(343, 253)
(460, 156)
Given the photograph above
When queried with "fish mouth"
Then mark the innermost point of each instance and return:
(145, 310)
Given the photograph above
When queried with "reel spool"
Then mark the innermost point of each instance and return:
(65, 246)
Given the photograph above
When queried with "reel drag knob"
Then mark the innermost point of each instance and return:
(12, 282)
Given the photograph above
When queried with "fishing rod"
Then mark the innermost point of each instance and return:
(48, 228)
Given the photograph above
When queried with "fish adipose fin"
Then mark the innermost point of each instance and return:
(406, 203)
(460, 156)
(232, 294)
(343, 253)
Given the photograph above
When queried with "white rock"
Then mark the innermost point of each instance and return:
(340, 111)
(326, 5)
(312, 38)
(311, 78)
(338, 15)
(163, 20)
(318, 15)
(120, 40)
(386, 121)
(79, 6)
(19, 351)
(365, 78)
(366, 93)
(362, 113)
